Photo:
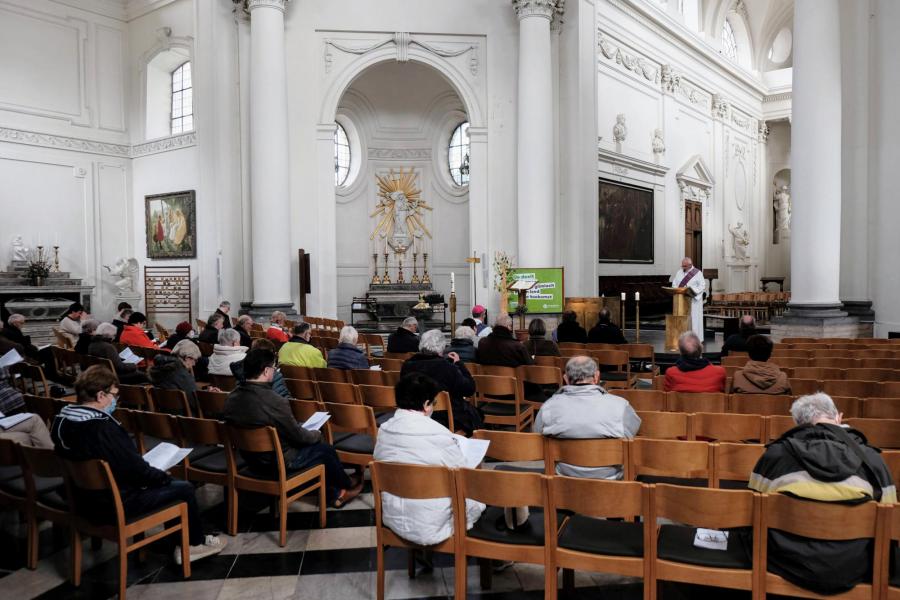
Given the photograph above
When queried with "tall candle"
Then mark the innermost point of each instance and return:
(452, 283)
(637, 296)
(623, 296)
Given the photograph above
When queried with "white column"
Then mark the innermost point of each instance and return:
(536, 203)
(816, 156)
(269, 183)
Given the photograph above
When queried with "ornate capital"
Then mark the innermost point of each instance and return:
(763, 133)
(279, 4)
(535, 8)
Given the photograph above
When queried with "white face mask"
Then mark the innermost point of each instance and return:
(192, 334)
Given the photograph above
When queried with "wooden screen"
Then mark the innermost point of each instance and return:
(693, 232)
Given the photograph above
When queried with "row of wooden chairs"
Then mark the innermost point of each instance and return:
(861, 374)
(881, 351)
(834, 341)
(628, 528)
(791, 362)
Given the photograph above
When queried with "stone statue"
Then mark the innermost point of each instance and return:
(740, 240)
(125, 271)
(620, 131)
(659, 145)
(782, 209)
(19, 250)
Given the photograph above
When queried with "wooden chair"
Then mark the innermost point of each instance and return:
(729, 428)
(671, 550)
(136, 397)
(644, 400)
(496, 370)
(759, 404)
(665, 425)
(619, 375)
(499, 489)
(696, 402)
(416, 482)
(671, 461)
(339, 393)
(881, 433)
(388, 364)
(511, 446)
(30, 379)
(41, 470)
(162, 427)
(493, 392)
(211, 404)
(850, 406)
(801, 387)
(777, 425)
(391, 377)
(331, 375)
(370, 341)
(820, 521)
(95, 476)
(733, 464)
(549, 379)
(171, 401)
(366, 377)
(359, 421)
(642, 353)
(889, 585)
(442, 404)
(286, 486)
(226, 383)
(302, 389)
(66, 361)
(592, 539)
(541, 361)
(380, 397)
(890, 389)
(46, 408)
(398, 355)
(868, 374)
(295, 372)
(304, 409)
(820, 373)
(881, 408)
(572, 346)
(588, 453)
(12, 491)
(837, 363)
(208, 463)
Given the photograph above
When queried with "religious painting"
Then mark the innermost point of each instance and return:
(625, 223)
(171, 225)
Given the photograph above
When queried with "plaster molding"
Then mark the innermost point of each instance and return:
(399, 153)
(402, 42)
(777, 97)
(623, 164)
(535, 8)
(639, 65)
(276, 4)
(60, 142)
(763, 132)
(720, 106)
(670, 79)
(172, 142)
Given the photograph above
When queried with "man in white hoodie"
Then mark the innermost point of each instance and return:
(412, 437)
(582, 409)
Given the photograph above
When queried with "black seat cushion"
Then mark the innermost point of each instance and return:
(10, 472)
(216, 462)
(614, 376)
(492, 527)
(894, 581)
(382, 418)
(151, 442)
(202, 451)
(42, 484)
(676, 543)
(498, 409)
(358, 443)
(732, 484)
(673, 480)
(519, 469)
(597, 536)
(338, 436)
(54, 500)
(131, 518)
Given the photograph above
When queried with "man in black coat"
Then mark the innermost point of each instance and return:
(12, 331)
(123, 311)
(210, 333)
(405, 338)
(570, 330)
(737, 342)
(605, 331)
(224, 309)
(501, 347)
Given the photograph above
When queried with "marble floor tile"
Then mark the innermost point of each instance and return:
(329, 586)
(505, 581)
(398, 585)
(258, 588)
(195, 590)
(265, 542)
(336, 539)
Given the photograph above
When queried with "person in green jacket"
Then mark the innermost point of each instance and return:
(298, 351)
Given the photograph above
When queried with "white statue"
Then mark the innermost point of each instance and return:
(659, 145)
(782, 209)
(620, 131)
(19, 250)
(125, 270)
(740, 240)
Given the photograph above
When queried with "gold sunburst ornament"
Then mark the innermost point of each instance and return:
(399, 211)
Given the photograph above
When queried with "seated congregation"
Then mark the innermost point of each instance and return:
(546, 451)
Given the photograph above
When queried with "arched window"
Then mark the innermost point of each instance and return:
(341, 155)
(458, 154)
(729, 42)
(182, 99)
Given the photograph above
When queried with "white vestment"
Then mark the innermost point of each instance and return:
(698, 285)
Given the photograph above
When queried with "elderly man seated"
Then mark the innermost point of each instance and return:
(692, 372)
(347, 355)
(737, 342)
(298, 352)
(581, 409)
(500, 347)
(759, 376)
(405, 338)
(277, 331)
(820, 459)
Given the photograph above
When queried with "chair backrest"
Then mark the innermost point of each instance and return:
(704, 507)
(31, 378)
(890, 389)
(159, 425)
(38, 462)
(539, 375)
(778, 425)
(211, 404)
(304, 409)
(800, 387)
(892, 460)
(135, 396)
(331, 375)
(870, 374)
(367, 377)
(442, 404)
(206, 349)
(257, 439)
(881, 433)
(597, 497)
(171, 401)
(226, 383)
(881, 408)
(734, 462)
(697, 402)
(644, 400)
(352, 418)
(201, 432)
(500, 488)
(379, 397)
(495, 370)
(491, 387)
(342, 393)
(388, 364)
(729, 427)
(302, 389)
(297, 372)
(585, 453)
(398, 355)
(819, 373)
(417, 482)
(831, 521)
(511, 446)
(615, 360)
(665, 425)
(640, 352)
(42, 406)
(759, 404)
(671, 458)
(92, 475)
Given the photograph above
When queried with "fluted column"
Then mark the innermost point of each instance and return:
(269, 175)
(536, 203)
(816, 158)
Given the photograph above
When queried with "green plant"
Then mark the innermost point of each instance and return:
(38, 266)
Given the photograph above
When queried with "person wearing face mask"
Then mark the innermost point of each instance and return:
(411, 436)
(87, 430)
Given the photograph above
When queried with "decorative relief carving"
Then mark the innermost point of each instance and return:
(402, 41)
(692, 94)
(620, 169)
(63, 142)
(670, 80)
(279, 4)
(535, 8)
(740, 121)
(763, 132)
(620, 130)
(636, 64)
(399, 153)
(165, 144)
(741, 9)
(740, 151)
(659, 144)
(777, 97)
(720, 106)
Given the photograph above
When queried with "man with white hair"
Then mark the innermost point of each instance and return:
(13, 332)
(501, 347)
(691, 277)
(276, 331)
(226, 351)
(582, 409)
(822, 460)
(347, 355)
(404, 339)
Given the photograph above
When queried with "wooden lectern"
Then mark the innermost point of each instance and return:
(680, 319)
(521, 287)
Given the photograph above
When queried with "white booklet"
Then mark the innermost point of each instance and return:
(44, 347)
(129, 357)
(10, 358)
(315, 422)
(166, 455)
(13, 420)
(473, 450)
(375, 368)
(712, 539)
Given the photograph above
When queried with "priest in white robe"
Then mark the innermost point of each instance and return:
(691, 277)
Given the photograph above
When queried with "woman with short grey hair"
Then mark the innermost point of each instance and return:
(174, 371)
(88, 331)
(433, 341)
(348, 335)
(227, 351)
(102, 346)
(347, 355)
(464, 342)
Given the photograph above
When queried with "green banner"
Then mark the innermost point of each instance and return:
(548, 296)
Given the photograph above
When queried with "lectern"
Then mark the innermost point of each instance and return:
(521, 287)
(680, 319)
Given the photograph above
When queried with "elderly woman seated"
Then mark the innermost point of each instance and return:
(102, 346)
(411, 436)
(174, 371)
(227, 351)
(464, 342)
(88, 330)
(347, 355)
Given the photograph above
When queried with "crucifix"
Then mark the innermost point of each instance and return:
(474, 260)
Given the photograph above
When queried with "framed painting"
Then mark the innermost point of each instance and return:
(171, 225)
(625, 223)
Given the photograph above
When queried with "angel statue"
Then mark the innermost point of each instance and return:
(125, 270)
(19, 249)
(400, 209)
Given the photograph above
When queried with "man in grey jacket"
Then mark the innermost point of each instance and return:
(582, 409)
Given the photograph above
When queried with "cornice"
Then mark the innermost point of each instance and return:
(777, 97)
(399, 153)
(173, 142)
(625, 162)
(61, 142)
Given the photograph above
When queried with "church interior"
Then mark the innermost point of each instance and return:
(368, 167)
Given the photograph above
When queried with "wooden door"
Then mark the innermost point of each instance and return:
(693, 232)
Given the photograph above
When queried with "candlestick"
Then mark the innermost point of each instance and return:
(375, 278)
(452, 283)
(637, 318)
(400, 269)
(386, 279)
(452, 312)
(622, 313)
(637, 296)
(425, 277)
(415, 277)
(56, 259)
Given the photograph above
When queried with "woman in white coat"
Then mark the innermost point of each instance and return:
(412, 437)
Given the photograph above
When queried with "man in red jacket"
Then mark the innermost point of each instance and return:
(692, 372)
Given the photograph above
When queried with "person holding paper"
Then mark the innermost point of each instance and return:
(173, 371)
(411, 436)
(135, 334)
(87, 430)
(253, 403)
(102, 347)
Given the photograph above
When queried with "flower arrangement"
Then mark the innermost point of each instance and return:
(38, 266)
(502, 265)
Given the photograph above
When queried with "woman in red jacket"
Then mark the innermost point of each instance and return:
(133, 333)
